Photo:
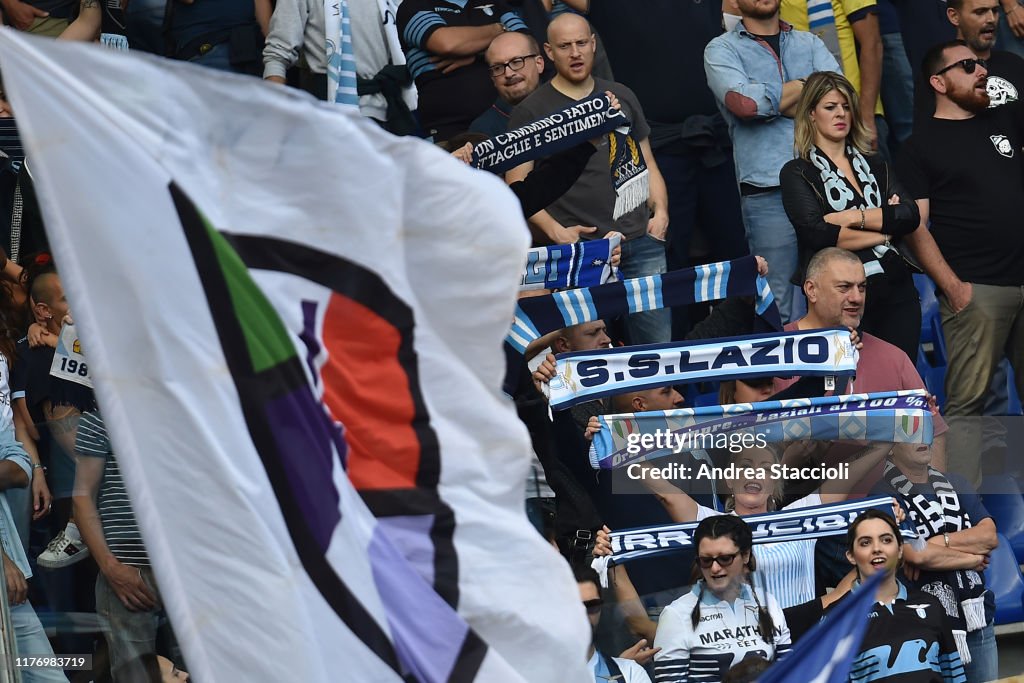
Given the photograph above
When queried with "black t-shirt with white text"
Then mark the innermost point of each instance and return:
(970, 171)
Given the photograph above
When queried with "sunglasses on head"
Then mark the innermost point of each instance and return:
(968, 65)
(722, 560)
(593, 606)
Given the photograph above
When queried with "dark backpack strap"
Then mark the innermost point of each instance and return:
(614, 672)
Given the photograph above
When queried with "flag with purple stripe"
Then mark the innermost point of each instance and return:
(277, 378)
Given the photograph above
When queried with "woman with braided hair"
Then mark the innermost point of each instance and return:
(725, 617)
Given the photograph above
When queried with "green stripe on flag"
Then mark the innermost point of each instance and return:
(265, 335)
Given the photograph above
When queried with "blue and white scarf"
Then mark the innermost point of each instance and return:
(583, 264)
(821, 21)
(538, 315)
(802, 524)
(891, 416)
(342, 80)
(564, 129)
(583, 376)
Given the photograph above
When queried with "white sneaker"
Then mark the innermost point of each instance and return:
(65, 549)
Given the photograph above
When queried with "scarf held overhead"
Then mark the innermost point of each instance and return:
(892, 416)
(802, 524)
(582, 264)
(585, 375)
(538, 315)
(561, 130)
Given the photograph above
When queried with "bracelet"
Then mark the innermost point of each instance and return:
(862, 220)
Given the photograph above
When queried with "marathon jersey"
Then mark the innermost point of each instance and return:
(726, 634)
(448, 103)
(909, 641)
(970, 171)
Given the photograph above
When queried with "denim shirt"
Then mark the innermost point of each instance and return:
(12, 450)
(740, 63)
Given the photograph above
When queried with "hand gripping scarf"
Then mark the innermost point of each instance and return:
(583, 376)
(583, 264)
(567, 128)
(961, 592)
(892, 416)
(801, 524)
(538, 315)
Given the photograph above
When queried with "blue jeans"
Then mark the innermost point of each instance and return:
(771, 235)
(32, 640)
(642, 256)
(897, 90)
(984, 664)
(218, 57)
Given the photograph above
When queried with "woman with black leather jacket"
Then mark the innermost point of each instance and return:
(837, 193)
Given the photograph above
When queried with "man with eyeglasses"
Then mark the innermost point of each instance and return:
(586, 210)
(515, 64)
(444, 41)
(963, 166)
(606, 668)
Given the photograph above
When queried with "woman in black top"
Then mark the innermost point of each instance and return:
(837, 193)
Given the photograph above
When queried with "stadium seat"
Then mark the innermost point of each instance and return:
(1004, 502)
(1004, 579)
(929, 306)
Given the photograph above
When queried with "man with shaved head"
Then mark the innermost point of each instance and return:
(586, 211)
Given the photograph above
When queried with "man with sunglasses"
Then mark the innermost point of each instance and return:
(516, 65)
(976, 22)
(963, 167)
(606, 668)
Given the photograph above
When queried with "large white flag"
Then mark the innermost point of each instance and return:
(281, 304)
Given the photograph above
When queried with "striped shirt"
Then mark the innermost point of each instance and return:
(784, 569)
(119, 526)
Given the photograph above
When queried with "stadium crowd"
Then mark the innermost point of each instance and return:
(865, 151)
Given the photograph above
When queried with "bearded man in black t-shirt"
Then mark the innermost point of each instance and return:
(963, 166)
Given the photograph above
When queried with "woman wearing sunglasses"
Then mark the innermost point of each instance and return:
(837, 193)
(724, 618)
(909, 638)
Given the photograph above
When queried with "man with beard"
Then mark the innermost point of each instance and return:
(756, 73)
(963, 167)
(516, 64)
(976, 22)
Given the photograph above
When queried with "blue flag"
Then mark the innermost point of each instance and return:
(825, 653)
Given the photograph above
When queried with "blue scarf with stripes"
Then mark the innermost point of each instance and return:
(539, 315)
(802, 524)
(891, 416)
(583, 376)
(583, 264)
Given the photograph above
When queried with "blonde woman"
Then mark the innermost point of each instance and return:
(837, 193)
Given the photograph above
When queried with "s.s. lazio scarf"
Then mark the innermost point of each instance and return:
(561, 130)
(891, 416)
(801, 524)
(538, 315)
(582, 264)
(582, 376)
